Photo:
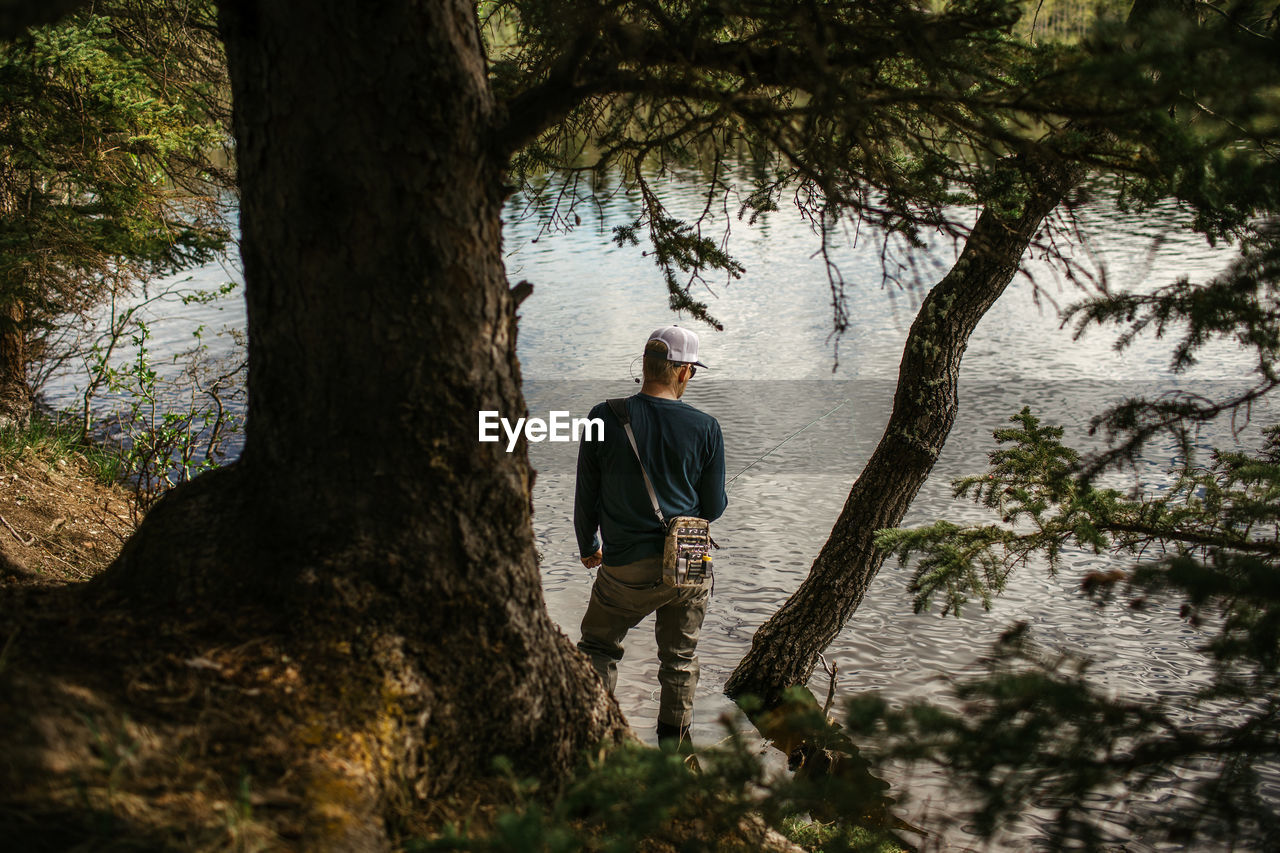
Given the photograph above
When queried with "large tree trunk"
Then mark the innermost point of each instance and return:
(363, 512)
(786, 648)
(15, 393)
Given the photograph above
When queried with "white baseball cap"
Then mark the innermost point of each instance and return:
(682, 344)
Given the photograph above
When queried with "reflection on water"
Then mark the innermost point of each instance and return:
(593, 306)
(781, 511)
(593, 300)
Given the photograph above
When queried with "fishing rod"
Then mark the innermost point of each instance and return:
(784, 441)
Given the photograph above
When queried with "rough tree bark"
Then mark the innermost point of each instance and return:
(785, 650)
(363, 513)
(15, 393)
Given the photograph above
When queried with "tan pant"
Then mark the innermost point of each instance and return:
(620, 598)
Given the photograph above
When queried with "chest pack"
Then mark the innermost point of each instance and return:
(686, 550)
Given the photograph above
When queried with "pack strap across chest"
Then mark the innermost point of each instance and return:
(619, 407)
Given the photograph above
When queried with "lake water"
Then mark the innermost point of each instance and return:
(772, 373)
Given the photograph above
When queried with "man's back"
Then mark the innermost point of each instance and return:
(683, 453)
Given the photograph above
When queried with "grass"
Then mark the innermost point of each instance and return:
(57, 438)
(634, 797)
(818, 836)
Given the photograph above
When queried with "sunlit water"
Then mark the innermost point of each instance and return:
(593, 306)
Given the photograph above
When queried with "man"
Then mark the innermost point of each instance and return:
(683, 453)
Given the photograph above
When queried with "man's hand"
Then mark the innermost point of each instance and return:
(594, 560)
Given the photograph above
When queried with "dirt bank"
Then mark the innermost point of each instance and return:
(58, 522)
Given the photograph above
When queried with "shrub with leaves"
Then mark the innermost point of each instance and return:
(111, 123)
(168, 429)
(1036, 729)
(633, 797)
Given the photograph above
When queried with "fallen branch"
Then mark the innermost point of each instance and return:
(16, 534)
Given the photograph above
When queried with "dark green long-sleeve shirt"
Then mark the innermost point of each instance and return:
(683, 452)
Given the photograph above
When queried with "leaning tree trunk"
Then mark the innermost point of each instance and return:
(786, 648)
(15, 393)
(363, 510)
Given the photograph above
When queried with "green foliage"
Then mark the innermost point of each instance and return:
(629, 796)
(1035, 728)
(1029, 483)
(904, 117)
(678, 246)
(900, 116)
(885, 113)
(1065, 21)
(167, 430)
(162, 428)
(1215, 147)
(1242, 304)
(625, 795)
(1046, 507)
(828, 837)
(1035, 732)
(55, 438)
(108, 123)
